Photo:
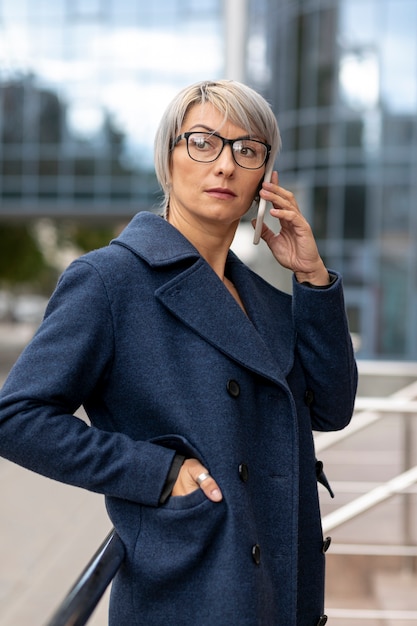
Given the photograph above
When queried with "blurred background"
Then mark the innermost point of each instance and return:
(83, 84)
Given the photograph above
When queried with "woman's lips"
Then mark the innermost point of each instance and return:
(221, 192)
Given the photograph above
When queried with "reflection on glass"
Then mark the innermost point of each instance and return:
(359, 78)
(379, 53)
(81, 87)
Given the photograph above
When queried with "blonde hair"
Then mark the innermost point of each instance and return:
(238, 103)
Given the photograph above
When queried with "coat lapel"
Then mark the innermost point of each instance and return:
(201, 301)
(270, 311)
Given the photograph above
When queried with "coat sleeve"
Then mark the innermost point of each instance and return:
(66, 362)
(325, 349)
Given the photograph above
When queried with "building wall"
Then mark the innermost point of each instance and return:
(342, 78)
(83, 84)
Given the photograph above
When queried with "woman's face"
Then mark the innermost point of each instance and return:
(217, 192)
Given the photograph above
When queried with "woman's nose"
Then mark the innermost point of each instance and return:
(225, 163)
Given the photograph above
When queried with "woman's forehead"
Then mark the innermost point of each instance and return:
(208, 116)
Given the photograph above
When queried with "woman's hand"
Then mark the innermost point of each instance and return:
(294, 247)
(192, 476)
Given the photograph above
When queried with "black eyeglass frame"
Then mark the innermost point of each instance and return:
(226, 142)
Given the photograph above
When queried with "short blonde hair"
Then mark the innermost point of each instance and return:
(238, 103)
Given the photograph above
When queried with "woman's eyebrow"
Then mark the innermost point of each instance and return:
(210, 130)
(214, 132)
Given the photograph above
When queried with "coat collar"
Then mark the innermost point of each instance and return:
(156, 241)
(196, 296)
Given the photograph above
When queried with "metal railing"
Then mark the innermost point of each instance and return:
(369, 411)
(81, 601)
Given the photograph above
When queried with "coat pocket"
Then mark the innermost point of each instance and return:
(180, 444)
(177, 537)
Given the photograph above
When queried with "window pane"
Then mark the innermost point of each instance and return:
(354, 215)
(320, 209)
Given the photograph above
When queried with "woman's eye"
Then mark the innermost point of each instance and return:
(201, 144)
(245, 150)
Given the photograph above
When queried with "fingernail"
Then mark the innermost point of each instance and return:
(216, 495)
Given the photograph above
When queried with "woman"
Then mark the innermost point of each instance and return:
(202, 383)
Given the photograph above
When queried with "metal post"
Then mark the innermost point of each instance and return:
(408, 562)
(236, 21)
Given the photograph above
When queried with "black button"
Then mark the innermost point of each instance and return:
(256, 554)
(233, 388)
(308, 397)
(326, 544)
(322, 621)
(243, 472)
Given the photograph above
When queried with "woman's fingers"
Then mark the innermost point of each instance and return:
(194, 475)
(209, 486)
(294, 247)
(279, 197)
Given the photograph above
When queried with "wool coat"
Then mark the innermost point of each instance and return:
(146, 336)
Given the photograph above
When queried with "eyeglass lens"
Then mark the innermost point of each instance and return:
(247, 153)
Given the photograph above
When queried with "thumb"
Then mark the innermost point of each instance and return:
(209, 486)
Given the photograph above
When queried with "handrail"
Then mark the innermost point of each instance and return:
(369, 500)
(368, 411)
(392, 404)
(80, 602)
(373, 614)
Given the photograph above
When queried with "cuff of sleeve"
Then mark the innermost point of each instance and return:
(171, 478)
(332, 279)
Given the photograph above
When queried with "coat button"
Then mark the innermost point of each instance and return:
(326, 544)
(256, 554)
(322, 621)
(243, 472)
(308, 397)
(233, 388)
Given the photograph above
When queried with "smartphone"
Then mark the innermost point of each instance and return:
(261, 209)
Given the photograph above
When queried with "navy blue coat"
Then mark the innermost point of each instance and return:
(150, 341)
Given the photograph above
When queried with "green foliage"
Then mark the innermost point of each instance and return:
(25, 263)
(85, 237)
(21, 260)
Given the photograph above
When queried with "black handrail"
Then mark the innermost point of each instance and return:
(82, 599)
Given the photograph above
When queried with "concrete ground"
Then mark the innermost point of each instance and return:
(48, 531)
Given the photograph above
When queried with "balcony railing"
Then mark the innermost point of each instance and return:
(81, 601)
(369, 411)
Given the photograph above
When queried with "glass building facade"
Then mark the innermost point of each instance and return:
(342, 78)
(83, 84)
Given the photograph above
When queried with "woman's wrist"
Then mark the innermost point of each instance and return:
(319, 278)
(332, 279)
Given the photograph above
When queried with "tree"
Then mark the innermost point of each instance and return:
(21, 260)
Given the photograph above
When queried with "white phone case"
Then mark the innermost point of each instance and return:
(261, 209)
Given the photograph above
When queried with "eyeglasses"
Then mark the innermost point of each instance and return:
(207, 147)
